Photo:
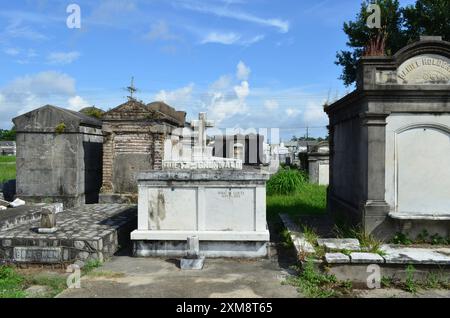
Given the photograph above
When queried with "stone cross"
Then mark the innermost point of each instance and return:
(200, 127)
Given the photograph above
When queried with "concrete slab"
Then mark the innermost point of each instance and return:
(366, 258)
(340, 244)
(336, 258)
(162, 278)
(410, 255)
(302, 246)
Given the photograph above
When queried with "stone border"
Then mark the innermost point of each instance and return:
(392, 254)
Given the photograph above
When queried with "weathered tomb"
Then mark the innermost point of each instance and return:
(134, 142)
(59, 155)
(319, 164)
(199, 195)
(390, 143)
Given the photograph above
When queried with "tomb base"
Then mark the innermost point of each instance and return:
(225, 209)
(210, 249)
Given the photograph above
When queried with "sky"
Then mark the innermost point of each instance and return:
(250, 64)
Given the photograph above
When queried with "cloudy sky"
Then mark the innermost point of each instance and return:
(248, 63)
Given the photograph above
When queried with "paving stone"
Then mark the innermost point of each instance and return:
(336, 258)
(80, 225)
(192, 264)
(37, 291)
(410, 255)
(340, 244)
(302, 246)
(366, 258)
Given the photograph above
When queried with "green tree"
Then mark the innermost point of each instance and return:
(400, 26)
(8, 135)
(360, 35)
(428, 17)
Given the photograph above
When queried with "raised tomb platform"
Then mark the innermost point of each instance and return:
(225, 209)
(203, 196)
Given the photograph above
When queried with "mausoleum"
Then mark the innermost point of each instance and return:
(134, 142)
(390, 143)
(59, 155)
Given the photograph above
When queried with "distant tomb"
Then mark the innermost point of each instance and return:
(319, 164)
(390, 143)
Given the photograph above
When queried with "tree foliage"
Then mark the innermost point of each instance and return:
(399, 27)
(8, 135)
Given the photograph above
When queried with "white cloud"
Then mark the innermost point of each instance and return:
(292, 112)
(315, 113)
(12, 51)
(31, 91)
(243, 72)
(221, 38)
(225, 101)
(271, 104)
(16, 30)
(242, 91)
(77, 102)
(253, 40)
(221, 11)
(160, 31)
(63, 57)
(176, 97)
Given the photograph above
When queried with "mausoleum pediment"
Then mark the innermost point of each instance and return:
(426, 62)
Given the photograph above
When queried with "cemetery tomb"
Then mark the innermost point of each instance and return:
(199, 195)
(59, 155)
(134, 142)
(390, 142)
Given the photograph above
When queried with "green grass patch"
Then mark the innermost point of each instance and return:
(286, 182)
(309, 200)
(7, 159)
(13, 284)
(7, 168)
(57, 283)
(90, 265)
(315, 284)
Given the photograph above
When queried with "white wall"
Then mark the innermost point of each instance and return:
(418, 163)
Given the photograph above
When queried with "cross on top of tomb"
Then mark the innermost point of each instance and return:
(200, 127)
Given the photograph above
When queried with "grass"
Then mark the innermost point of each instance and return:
(7, 168)
(90, 265)
(13, 284)
(315, 284)
(286, 182)
(309, 200)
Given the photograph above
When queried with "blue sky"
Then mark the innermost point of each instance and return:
(248, 63)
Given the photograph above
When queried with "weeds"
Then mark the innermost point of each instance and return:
(318, 285)
(90, 265)
(286, 182)
(410, 283)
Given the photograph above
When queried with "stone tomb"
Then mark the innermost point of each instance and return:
(318, 164)
(59, 155)
(225, 208)
(390, 143)
(134, 142)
